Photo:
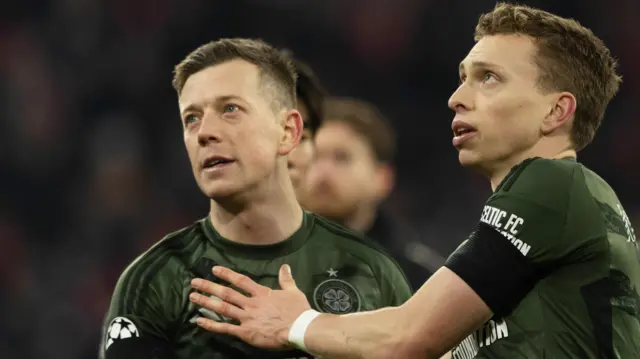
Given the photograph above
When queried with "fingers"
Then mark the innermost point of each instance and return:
(286, 278)
(225, 293)
(252, 337)
(218, 306)
(216, 327)
(240, 281)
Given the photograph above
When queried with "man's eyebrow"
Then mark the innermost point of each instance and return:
(189, 108)
(217, 99)
(225, 98)
(462, 68)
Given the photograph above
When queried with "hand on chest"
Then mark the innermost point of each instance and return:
(337, 288)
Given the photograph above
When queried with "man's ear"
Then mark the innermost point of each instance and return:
(385, 180)
(293, 127)
(563, 108)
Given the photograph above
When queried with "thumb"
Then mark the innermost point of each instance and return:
(285, 278)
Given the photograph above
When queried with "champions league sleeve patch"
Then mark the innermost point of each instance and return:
(120, 328)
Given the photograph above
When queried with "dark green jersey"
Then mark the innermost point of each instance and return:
(150, 310)
(557, 261)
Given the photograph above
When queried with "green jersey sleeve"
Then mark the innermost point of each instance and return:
(522, 234)
(143, 309)
(395, 288)
(530, 211)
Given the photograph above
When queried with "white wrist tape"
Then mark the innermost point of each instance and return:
(299, 327)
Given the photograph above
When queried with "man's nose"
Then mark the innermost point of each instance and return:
(209, 130)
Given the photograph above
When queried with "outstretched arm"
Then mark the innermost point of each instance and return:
(439, 316)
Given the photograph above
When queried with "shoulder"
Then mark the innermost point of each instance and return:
(148, 293)
(540, 180)
(172, 245)
(538, 173)
(160, 260)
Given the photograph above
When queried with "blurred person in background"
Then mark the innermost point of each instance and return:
(310, 98)
(552, 269)
(353, 174)
(237, 100)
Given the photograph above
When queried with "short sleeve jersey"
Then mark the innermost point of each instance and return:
(557, 261)
(339, 272)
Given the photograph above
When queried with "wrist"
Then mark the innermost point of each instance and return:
(298, 329)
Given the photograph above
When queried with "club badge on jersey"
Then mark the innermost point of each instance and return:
(336, 296)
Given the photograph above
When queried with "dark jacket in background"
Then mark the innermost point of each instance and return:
(416, 259)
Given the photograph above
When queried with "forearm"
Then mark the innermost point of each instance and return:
(439, 316)
(376, 334)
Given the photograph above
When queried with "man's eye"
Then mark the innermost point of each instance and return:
(229, 108)
(190, 119)
(489, 76)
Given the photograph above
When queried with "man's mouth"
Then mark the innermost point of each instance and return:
(462, 131)
(461, 128)
(216, 162)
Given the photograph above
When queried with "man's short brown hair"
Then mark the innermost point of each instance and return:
(569, 57)
(309, 90)
(278, 74)
(366, 120)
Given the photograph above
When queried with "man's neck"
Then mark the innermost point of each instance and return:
(362, 219)
(272, 218)
(503, 169)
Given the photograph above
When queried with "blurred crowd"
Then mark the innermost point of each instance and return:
(92, 165)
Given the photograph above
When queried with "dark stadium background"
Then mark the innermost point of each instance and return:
(92, 165)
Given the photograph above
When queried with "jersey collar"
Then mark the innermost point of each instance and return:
(254, 251)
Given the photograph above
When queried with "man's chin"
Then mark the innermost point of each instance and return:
(468, 158)
(219, 191)
(475, 163)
